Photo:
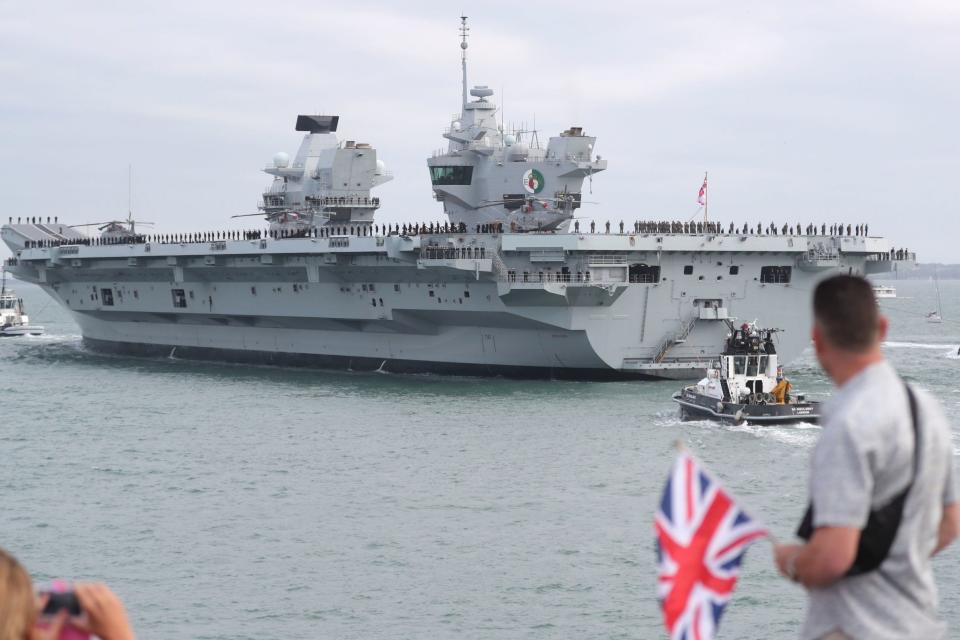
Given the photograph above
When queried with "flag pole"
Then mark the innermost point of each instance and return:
(706, 196)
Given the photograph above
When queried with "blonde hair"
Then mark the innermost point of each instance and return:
(17, 607)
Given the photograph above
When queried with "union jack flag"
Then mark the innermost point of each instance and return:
(701, 538)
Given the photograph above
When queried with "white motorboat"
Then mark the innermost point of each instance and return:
(746, 385)
(13, 321)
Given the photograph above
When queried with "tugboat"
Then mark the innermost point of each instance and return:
(747, 385)
(13, 321)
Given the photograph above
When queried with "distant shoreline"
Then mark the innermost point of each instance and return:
(922, 272)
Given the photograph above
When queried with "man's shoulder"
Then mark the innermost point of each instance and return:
(931, 411)
(875, 399)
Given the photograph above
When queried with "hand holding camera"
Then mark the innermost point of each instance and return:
(88, 610)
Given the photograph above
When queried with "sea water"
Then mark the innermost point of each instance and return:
(224, 501)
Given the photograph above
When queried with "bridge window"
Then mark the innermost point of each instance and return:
(752, 363)
(451, 175)
(106, 296)
(179, 299)
(775, 275)
(739, 364)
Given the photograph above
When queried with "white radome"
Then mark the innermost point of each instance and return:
(508, 140)
(381, 168)
(281, 160)
(518, 152)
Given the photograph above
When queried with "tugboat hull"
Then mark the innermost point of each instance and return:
(696, 406)
(20, 330)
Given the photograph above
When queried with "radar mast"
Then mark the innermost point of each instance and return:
(463, 53)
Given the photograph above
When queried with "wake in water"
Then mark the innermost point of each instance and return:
(799, 434)
(920, 345)
(950, 351)
(48, 338)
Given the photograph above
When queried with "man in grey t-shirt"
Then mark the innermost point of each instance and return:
(864, 458)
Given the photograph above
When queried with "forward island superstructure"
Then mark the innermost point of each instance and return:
(511, 285)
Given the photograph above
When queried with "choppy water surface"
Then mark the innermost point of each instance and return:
(242, 502)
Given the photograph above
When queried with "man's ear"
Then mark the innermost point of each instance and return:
(882, 325)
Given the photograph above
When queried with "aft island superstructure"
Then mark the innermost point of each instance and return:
(503, 288)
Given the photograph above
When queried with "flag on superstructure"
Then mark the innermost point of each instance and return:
(702, 536)
(702, 196)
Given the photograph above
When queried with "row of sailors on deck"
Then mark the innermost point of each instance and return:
(898, 254)
(432, 252)
(665, 226)
(33, 220)
(361, 230)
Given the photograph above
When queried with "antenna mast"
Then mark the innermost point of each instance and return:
(129, 191)
(463, 55)
(130, 197)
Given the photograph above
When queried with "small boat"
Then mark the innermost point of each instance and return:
(882, 291)
(746, 385)
(13, 321)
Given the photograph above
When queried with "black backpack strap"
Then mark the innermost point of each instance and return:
(915, 423)
(805, 530)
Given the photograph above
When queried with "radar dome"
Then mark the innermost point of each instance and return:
(281, 160)
(508, 140)
(381, 168)
(518, 152)
(481, 91)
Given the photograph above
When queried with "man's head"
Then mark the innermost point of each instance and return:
(17, 607)
(847, 326)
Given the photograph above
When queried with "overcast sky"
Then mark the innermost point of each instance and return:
(801, 111)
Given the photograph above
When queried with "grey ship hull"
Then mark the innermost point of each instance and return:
(358, 364)
(541, 305)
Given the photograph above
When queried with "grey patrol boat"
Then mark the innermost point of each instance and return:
(746, 385)
(506, 287)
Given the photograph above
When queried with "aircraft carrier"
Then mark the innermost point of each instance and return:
(514, 284)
